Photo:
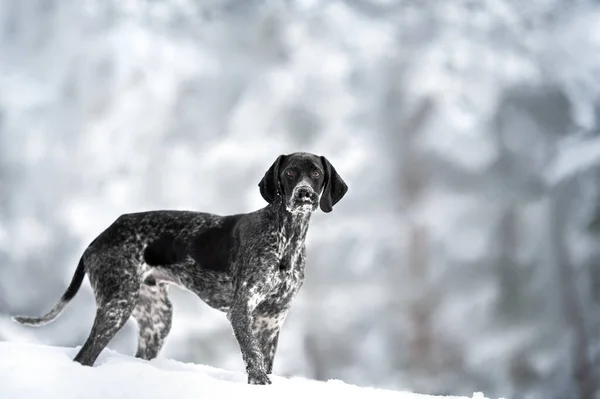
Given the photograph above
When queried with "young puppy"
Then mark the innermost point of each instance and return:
(248, 265)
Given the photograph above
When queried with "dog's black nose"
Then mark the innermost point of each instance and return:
(304, 193)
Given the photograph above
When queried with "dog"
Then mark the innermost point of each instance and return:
(249, 266)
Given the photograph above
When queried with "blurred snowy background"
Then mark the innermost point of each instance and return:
(465, 256)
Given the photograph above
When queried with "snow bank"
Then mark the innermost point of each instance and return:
(35, 371)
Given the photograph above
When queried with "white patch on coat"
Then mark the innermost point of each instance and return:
(255, 297)
(266, 323)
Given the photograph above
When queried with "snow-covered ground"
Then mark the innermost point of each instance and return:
(36, 371)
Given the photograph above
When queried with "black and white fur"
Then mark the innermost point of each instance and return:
(248, 265)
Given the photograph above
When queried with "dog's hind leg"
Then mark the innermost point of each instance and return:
(154, 315)
(117, 293)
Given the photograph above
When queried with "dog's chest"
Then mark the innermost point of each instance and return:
(279, 299)
(289, 277)
(290, 281)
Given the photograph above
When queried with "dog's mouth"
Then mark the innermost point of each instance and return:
(302, 204)
(304, 201)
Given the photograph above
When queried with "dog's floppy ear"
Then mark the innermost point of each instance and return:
(334, 187)
(269, 185)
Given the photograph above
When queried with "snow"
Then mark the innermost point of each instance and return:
(37, 371)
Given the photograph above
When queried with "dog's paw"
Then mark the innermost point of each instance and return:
(258, 377)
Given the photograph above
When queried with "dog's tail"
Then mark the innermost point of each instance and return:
(60, 306)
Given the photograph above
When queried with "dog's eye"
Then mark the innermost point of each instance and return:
(316, 174)
(290, 173)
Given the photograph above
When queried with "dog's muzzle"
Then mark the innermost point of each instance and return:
(304, 196)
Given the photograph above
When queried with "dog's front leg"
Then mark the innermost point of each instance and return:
(241, 321)
(247, 296)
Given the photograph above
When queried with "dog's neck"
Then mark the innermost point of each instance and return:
(291, 225)
(291, 229)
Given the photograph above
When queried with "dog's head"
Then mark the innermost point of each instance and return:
(303, 181)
